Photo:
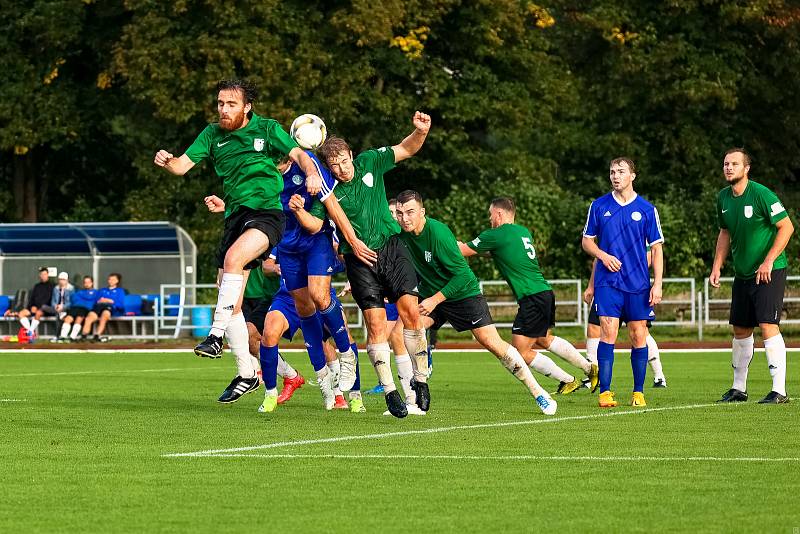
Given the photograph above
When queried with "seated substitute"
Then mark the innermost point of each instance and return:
(110, 302)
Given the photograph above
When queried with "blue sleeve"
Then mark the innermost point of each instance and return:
(591, 227)
(119, 301)
(654, 233)
(54, 297)
(328, 181)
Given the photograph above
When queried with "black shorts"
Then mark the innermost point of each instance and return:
(255, 311)
(100, 307)
(270, 222)
(753, 304)
(595, 319)
(77, 311)
(464, 314)
(391, 277)
(536, 315)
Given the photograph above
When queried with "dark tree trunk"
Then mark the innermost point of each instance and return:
(26, 188)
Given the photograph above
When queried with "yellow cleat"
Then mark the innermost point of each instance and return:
(357, 405)
(269, 404)
(594, 377)
(638, 399)
(565, 388)
(607, 399)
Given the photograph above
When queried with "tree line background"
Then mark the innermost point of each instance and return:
(528, 99)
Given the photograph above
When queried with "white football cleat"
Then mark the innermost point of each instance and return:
(546, 404)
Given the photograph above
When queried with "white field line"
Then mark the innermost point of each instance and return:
(437, 430)
(13, 400)
(69, 373)
(294, 350)
(502, 458)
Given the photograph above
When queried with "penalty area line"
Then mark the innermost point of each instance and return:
(437, 430)
(111, 371)
(13, 400)
(501, 458)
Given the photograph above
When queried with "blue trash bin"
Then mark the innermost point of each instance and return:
(201, 319)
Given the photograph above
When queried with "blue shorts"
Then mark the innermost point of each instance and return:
(611, 302)
(391, 312)
(319, 260)
(284, 303)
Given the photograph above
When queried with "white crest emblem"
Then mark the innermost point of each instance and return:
(636, 216)
(748, 211)
(368, 179)
(476, 241)
(258, 144)
(428, 256)
(297, 179)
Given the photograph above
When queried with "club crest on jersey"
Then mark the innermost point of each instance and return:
(296, 179)
(258, 144)
(368, 179)
(428, 256)
(748, 211)
(636, 216)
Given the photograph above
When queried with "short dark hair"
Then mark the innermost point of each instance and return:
(44, 270)
(504, 203)
(89, 277)
(393, 200)
(745, 153)
(408, 195)
(333, 146)
(623, 159)
(119, 277)
(247, 88)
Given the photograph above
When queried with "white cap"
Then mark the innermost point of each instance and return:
(63, 275)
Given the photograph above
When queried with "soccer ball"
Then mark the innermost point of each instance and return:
(309, 131)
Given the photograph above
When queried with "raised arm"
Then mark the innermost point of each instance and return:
(177, 166)
(313, 178)
(414, 141)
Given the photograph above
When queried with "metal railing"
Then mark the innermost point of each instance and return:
(722, 304)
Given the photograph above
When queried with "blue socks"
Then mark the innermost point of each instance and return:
(268, 356)
(312, 334)
(332, 318)
(357, 383)
(639, 366)
(605, 362)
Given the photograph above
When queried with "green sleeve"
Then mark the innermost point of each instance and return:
(377, 160)
(449, 256)
(485, 242)
(318, 210)
(772, 206)
(279, 139)
(201, 148)
(720, 220)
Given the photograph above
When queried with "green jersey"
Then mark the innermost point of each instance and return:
(363, 199)
(245, 160)
(750, 219)
(261, 286)
(511, 246)
(439, 263)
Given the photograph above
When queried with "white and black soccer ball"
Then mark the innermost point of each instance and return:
(308, 131)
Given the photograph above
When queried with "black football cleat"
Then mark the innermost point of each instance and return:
(396, 404)
(660, 383)
(734, 395)
(210, 348)
(773, 397)
(238, 388)
(423, 394)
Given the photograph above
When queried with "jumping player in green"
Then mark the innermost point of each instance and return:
(362, 195)
(511, 247)
(755, 228)
(243, 148)
(451, 293)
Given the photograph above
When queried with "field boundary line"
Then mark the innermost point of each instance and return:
(437, 430)
(510, 457)
(302, 350)
(13, 400)
(115, 371)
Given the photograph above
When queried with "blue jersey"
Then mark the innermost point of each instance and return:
(117, 295)
(85, 298)
(295, 238)
(624, 231)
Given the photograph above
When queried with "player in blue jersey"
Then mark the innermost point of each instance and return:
(618, 228)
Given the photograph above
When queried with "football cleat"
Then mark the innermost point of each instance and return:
(347, 376)
(565, 388)
(339, 403)
(773, 397)
(734, 395)
(606, 399)
(377, 390)
(637, 399)
(413, 409)
(237, 388)
(594, 377)
(586, 383)
(423, 394)
(357, 405)
(546, 404)
(396, 404)
(326, 388)
(210, 348)
(290, 385)
(660, 383)
(269, 404)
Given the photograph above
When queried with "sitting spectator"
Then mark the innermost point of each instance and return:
(110, 301)
(39, 304)
(62, 296)
(81, 303)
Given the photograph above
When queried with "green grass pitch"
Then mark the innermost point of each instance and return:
(84, 440)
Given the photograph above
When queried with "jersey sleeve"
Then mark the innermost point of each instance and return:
(485, 242)
(449, 256)
(318, 210)
(720, 220)
(774, 210)
(328, 181)
(591, 228)
(279, 139)
(201, 148)
(654, 233)
(378, 160)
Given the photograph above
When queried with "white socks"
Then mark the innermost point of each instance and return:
(776, 358)
(230, 287)
(512, 360)
(740, 359)
(25, 322)
(239, 342)
(544, 365)
(564, 349)
(654, 359)
(591, 348)
(379, 356)
(335, 367)
(34, 324)
(417, 347)
(284, 369)
(405, 372)
(76, 331)
(65, 328)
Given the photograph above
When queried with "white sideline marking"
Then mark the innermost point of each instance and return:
(65, 373)
(298, 351)
(13, 400)
(281, 444)
(515, 457)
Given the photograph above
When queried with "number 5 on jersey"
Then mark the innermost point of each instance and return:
(526, 241)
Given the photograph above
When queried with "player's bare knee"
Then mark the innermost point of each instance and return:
(741, 332)
(769, 330)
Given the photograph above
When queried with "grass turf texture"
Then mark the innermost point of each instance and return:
(83, 451)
